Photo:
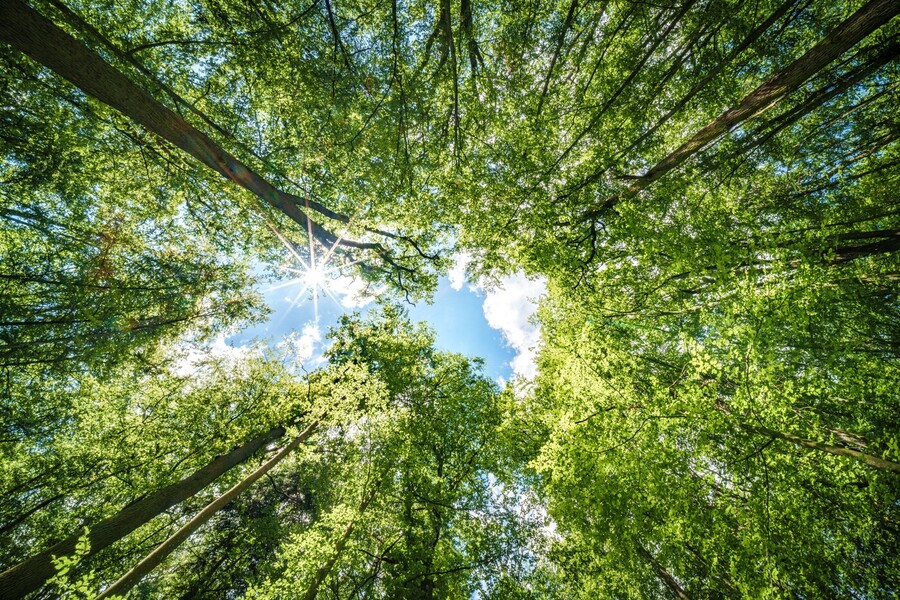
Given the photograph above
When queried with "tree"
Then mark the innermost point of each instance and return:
(707, 188)
(132, 577)
(39, 38)
(425, 513)
(21, 579)
(850, 32)
(660, 442)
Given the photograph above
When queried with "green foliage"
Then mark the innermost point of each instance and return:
(61, 583)
(715, 410)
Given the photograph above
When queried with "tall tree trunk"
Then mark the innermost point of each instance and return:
(38, 37)
(751, 38)
(663, 575)
(322, 572)
(132, 577)
(889, 242)
(863, 22)
(29, 575)
(871, 460)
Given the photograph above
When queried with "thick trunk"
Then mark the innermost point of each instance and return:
(29, 575)
(748, 41)
(132, 577)
(889, 242)
(823, 95)
(39, 38)
(866, 20)
(84, 27)
(863, 22)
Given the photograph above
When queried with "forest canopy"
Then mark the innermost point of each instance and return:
(707, 187)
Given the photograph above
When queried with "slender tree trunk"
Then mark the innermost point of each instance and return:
(559, 42)
(22, 517)
(664, 575)
(651, 49)
(322, 572)
(39, 38)
(748, 41)
(133, 577)
(29, 575)
(871, 460)
(863, 22)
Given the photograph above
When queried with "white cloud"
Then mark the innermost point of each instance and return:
(509, 307)
(457, 273)
(188, 363)
(302, 347)
(353, 291)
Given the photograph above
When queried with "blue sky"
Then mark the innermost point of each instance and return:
(491, 324)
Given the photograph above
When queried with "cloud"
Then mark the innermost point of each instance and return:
(509, 308)
(353, 291)
(457, 273)
(301, 347)
(189, 362)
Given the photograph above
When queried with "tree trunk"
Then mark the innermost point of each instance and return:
(133, 577)
(751, 38)
(322, 572)
(863, 22)
(871, 460)
(664, 575)
(29, 575)
(889, 242)
(39, 38)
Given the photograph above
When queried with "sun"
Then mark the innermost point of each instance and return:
(313, 275)
(315, 278)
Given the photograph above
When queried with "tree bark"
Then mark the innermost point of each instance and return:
(322, 572)
(20, 580)
(869, 459)
(746, 43)
(152, 560)
(39, 38)
(889, 242)
(863, 22)
(664, 575)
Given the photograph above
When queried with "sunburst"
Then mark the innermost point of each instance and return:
(314, 276)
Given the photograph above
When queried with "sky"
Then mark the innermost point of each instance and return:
(494, 324)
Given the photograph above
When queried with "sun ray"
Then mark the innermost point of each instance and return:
(331, 295)
(284, 284)
(314, 273)
(287, 244)
(340, 239)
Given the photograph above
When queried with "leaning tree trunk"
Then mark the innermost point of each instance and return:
(152, 560)
(322, 572)
(663, 574)
(29, 575)
(873, 461)
(887, 242)
(860, 24)
(39, 38)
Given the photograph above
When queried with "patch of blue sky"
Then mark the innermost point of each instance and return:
(457, 317)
